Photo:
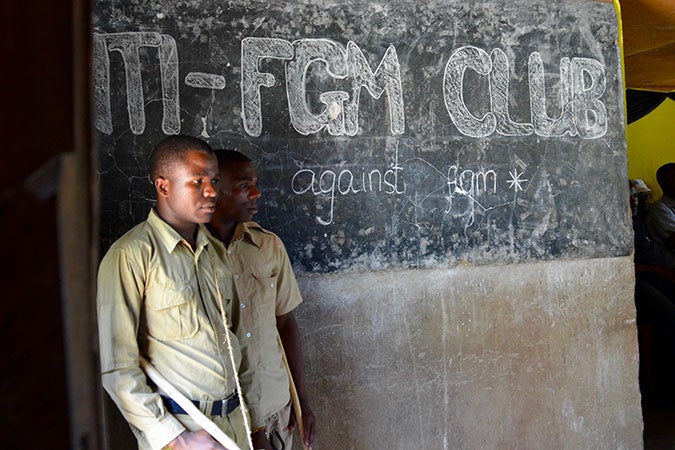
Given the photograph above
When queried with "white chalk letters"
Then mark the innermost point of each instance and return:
(128, 44)
(328, 183)
(341, 110)
(582, 84)
(252, 51)
(581, 87)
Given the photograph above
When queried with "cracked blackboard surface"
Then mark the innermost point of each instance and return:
(386, 135)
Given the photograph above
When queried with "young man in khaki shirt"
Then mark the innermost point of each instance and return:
(266, 293)
(157, 299)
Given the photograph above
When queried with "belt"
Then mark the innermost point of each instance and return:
(218, 408)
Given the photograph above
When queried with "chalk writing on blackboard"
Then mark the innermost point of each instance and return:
(329, 183)
(582, 85)
(205, 80)
(128, 45)
(339, 116)
(467, 189)
(516, 183)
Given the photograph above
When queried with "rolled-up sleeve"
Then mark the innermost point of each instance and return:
(288, 292)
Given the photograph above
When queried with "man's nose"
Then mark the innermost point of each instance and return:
(210, 190)
(254, 194)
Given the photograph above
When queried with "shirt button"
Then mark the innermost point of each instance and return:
(248, 334)
(271, 284)
(236, 277)
(243, 306)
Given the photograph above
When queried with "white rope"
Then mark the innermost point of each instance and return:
(188, 406)
(244, 409)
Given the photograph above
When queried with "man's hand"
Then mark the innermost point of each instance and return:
(195, 440)
(260, 441)
(308, 424)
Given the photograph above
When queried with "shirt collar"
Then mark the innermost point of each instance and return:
(243, 231)
(170, 237)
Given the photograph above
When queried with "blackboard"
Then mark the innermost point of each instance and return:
(400, 134)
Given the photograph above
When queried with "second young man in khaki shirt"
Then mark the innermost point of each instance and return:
(266, 293)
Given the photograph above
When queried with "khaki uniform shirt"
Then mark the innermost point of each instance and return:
(157, 298)
(264, 287)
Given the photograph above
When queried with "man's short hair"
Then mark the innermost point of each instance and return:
(664, 173)
(171, 151)
(226, 156)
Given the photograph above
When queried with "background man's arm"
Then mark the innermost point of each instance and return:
(290, 337)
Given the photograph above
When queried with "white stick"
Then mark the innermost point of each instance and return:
(188, 406)
(295, 399)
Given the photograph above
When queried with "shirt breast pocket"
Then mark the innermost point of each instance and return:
(266, 288)
(171, 313)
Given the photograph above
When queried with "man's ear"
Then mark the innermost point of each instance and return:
(162, 186)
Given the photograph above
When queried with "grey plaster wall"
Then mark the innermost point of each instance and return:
(530, 356)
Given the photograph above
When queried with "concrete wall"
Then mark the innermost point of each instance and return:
(539, 355)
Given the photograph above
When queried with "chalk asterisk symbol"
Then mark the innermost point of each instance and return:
(515, 182)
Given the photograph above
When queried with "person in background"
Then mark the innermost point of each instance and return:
(266, 293)
(639, 200)
(654, 293)
(661, 218)
(647, 269)
(157, 299)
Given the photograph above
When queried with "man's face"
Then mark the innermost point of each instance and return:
(191, 190)
(238, 199)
